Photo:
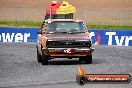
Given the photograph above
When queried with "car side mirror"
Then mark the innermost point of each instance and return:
(43, 32)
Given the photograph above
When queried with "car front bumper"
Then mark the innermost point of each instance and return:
(61, 49)
(68, 51)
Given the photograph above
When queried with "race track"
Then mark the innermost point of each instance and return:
(19, 68)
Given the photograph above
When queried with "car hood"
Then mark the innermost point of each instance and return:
(63, 36)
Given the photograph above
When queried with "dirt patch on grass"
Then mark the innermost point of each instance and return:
(93, 11)
(78, 3)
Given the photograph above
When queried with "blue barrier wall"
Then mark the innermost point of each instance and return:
(99, 37)
(10, 34)
(112, 37)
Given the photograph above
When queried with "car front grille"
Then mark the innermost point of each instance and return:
(68, 44)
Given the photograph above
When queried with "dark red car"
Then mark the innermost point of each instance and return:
(64, 38)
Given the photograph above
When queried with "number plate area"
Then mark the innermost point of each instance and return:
(68, 50)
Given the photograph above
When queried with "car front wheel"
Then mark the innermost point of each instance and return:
(86, 59)
(44, 59)
(39, 56)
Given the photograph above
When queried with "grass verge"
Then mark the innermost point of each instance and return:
(15, 23)
(112, 27)
(36, 24)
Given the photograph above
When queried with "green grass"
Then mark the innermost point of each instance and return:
(37, 24)
(15, 23)
(115, 27)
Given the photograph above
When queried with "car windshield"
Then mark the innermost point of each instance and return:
(65, 27)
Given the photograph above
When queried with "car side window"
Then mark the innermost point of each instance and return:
(43, 27)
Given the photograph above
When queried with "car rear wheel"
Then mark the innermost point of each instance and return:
(86, 59)
(39, 56)
(44, 59)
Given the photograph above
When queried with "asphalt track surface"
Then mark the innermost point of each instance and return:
(19, 68)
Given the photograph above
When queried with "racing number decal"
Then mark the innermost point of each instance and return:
(67, 51)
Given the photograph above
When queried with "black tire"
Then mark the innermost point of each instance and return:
(44, 59)
(82, 60)
(86, 59)
(39, 56)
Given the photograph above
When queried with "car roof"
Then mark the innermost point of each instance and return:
(61, 20)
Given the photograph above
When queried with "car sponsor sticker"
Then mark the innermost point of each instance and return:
(68, 51)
